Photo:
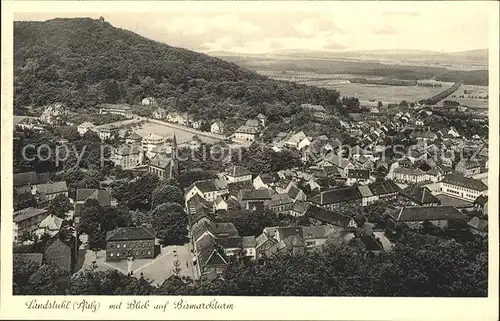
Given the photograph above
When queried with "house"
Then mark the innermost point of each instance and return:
(435, 174)
(238, 174)
(85, 127)
(215, 230)
(137, 242)
(61, 253)
(249, 244)
(262, 119)
(84, 194)
(419, 196)
(208, 189)
(118, 109)
(160, 113)
(338, 197)
(295, 193)
(108, 131)
(247, 133)
(48, 191)
(148, 101)
(133, 138)
(266, 180)
(217, 127)
(330, 218)
(26, 221)
(468, 167)
(30, 123)
(384, 190)
(409, 175)
(357, 176)
(279, 203)
(220, 204)
(128, 156)
(299, 208)
(343, 164)
(152, 141)
(481, 203)
(263, 243)
(27, 179)
(209, 257)
(50, 225)
(439, 216)
(297, 141)
(253, 199)
(478, 226)
(198, 123)
(54, 114)
(315, 236)
(463, 187)
(164, 166)
(289, 241)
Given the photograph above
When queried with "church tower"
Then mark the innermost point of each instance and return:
(174, 166)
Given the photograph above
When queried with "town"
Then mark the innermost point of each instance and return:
(142, 168)
(149, 215)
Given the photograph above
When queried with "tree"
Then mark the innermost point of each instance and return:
(59, 206)
(380, 104)
(167, 194)
(91, 221)
(170, 222)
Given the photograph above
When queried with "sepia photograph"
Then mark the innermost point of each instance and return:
(252, 153)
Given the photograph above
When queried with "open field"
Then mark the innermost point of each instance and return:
(167, 131)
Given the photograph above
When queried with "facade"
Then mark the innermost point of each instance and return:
(50, 225)
(61, 253)
(49, 191)
(107, 132)
(208, 189)
(247, 133)
(152, 141)
(419, 196)
(85, 127)
(27, 221)
(118, 109)
(128, 156)
(54, 114)
(238, 174)
(337, 198)
(468, 167)
(468, 189)
(217, 127)
(148, 101)
(409, 175)
(164, 166)
(136, 242)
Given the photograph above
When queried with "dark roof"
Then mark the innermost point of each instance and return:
(383, 188)
(31, 257)
(327, 216)
(52, 188)
(238, 171)
(269, 178)
(102, 196)
(428, 213)
(481, 200)
(338, 195)
(420, 195)
(284, 232)
(22, 179)
(294, 191)
(465, 182)
(236, 186)
(314, 232)
(478, 224)
(301, 207)
(28, 213)
(43, 178)
(209, 185)
(230, 242)
(218, 230)
(358, 173)
(207, 252)
(130, 234)
(255, 194)
(162, 161)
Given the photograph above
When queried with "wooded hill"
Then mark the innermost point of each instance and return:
(83, 62)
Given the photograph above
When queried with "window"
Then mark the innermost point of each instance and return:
(117, 254)
(111, 254)
(124, 245)
(118, 245)
(149, 252)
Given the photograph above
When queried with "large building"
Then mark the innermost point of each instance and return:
(247, 133)
(128, 156)
(54, 114)
(463, 187)
(119, 109)
(152, 141)
(131, 242)
(439, 216)
(85, 127)
(27, 221)
(165, 165)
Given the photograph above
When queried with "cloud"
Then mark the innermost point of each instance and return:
(316, 25)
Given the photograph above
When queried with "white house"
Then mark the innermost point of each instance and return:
(463, 187)
(208, 189)
(217, 127)
(85, 127)
(297, 141)
(148, 101)
(238, 174)
(220, 204)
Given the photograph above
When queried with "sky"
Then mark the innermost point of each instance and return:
(447, 26)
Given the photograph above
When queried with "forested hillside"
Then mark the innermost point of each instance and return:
(83, 62)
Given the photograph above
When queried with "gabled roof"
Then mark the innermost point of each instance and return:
(254, 194)
(337, 195)
(28, 213)
(301, 207)
(269, 178)
(127, 149)
(409, 171)
(261, 116)
(230, 242)
(294, 191)
(248, 130)
(252, 123)
(209, 185)
(328, 217)
(296, 138)
(428, 213)
(465, 182)
(130, 234)
(52, 223)
(315, 232)
(238, 171)
(420, 195)
(134, 136)
(278, 199)
(162, 161)
(86, 125)
(384, 188)
(28, 178)
(51, 188)
(481, 200)
(263, 238)
(218, 230)
(102, 196)
(248, 241)
(478, 224)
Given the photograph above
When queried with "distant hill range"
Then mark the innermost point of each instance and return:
(83, 62)
(471, 67)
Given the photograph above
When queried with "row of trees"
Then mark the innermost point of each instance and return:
(338, 270)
